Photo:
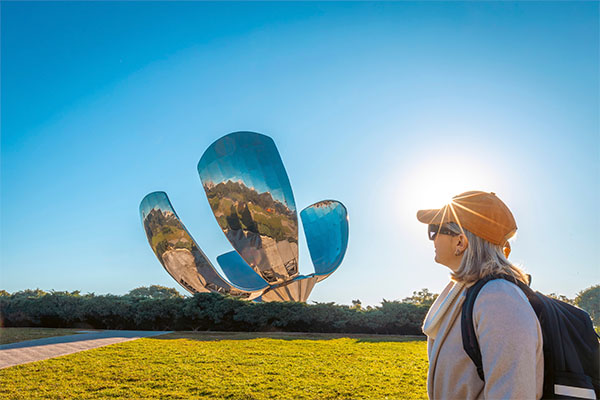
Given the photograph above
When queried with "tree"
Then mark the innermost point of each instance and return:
(589, 300)
(421, 298)
(356, 305)
(561, 297)
(29, 293)
(155, 292)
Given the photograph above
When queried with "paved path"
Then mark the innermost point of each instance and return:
(42, 349)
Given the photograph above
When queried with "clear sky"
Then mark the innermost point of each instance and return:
(387, 107)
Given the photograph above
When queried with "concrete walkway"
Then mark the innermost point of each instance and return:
(41, 349)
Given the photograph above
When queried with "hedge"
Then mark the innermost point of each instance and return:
(203, 311)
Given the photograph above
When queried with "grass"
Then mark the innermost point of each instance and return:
(187, 365)
(14, 335)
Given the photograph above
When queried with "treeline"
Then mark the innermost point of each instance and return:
(237, 190)
(269, 217)
(161, 308)
(165, 309)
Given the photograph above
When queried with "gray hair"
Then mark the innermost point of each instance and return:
(482, 258)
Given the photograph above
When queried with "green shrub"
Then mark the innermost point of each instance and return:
(160, 308)
(589, 300)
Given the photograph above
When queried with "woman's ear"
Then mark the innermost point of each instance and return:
(462, 243)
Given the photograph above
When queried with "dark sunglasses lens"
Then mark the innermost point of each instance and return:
(433, 231)
(447, 231)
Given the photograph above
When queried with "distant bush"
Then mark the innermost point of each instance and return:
(589, 300)
(155, 292)
(423, 297)
(159, 308)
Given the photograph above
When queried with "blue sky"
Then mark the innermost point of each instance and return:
(387, 107)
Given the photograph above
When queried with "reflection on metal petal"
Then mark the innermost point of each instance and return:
(326, 229)
(296, 290)
(178, 252)
(250, 195)
(240, 273)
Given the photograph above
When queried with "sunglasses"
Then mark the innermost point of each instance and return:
(434, 230)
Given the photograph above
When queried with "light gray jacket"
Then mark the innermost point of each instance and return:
(511, 345)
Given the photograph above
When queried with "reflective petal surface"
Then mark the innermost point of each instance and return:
(239, 272)
(326, 228)
(250, 195)
(297, 290)
(178, 252)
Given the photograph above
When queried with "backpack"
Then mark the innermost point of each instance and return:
(571, 349)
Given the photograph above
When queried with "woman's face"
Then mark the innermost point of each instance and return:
(449, 250)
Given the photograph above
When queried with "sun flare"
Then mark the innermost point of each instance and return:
(434, 181)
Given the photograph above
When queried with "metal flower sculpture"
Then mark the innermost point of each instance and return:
(250, 195)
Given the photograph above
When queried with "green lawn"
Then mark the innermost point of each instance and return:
(232, 366)
(13, 335)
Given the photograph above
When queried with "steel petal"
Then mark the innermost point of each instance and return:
(250, 195)
(178, 252)
(240, 273)
(326, 229)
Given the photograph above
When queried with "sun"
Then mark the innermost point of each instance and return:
(435, 180)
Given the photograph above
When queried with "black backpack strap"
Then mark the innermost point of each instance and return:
(469, 337)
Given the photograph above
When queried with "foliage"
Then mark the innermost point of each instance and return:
(561, 297)
(160, 308)
(230, 366)
(155, 292)
(589, 300)
(422, 298)
(356, 304)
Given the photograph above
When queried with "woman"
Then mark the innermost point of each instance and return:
(470, 236)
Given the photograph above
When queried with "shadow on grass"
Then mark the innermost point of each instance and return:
(79, 336)
(20, 334)
(206, 336)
